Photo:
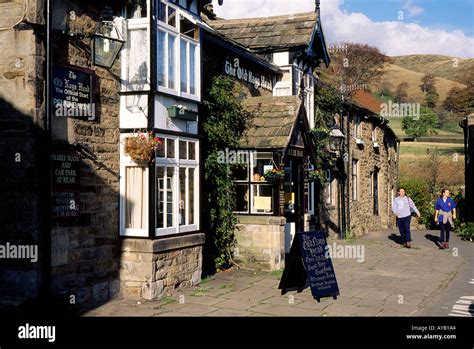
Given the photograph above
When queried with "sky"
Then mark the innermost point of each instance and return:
(396, 27)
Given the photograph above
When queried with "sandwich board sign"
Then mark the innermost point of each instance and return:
(309, 264)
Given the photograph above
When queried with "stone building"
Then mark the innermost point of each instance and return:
(105, 224)
(369, 176)
(274, 59)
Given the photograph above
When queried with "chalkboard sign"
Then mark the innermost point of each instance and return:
(309, 264)
(73, 92)
(318, 264)
(65, 184)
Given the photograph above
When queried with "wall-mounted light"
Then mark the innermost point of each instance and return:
(107, 41)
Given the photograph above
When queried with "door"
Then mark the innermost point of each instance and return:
(294, 193)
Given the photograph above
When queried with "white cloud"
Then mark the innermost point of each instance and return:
(391, 37)
(413, 10)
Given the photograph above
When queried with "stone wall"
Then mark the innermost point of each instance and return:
(260, 242)
(150, 269)
(86, 252)
(21, 126)
(385, 159)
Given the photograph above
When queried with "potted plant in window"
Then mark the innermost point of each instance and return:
(142, 146)
(274, 175)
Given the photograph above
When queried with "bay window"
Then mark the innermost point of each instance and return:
(177, 186)
(254, 194)
(178, 45)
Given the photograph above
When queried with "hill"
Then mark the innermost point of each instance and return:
(450, 68)
(395, 74)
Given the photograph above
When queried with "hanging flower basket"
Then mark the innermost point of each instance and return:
(142, 147)
(317, 175)
(273, 175)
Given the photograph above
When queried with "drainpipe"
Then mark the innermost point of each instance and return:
(45, 180)
(348, 174)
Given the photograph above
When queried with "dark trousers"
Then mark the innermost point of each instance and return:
(445, 230)
(404, 227)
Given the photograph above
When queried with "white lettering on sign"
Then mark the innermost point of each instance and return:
(246, 75)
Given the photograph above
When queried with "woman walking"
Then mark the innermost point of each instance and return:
(444, 216)
(403, 207)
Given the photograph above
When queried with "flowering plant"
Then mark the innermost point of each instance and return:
(317, 175)
(273, 175)
(141, 147)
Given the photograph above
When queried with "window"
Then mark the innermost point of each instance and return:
(330, 188)
(177, 186)
(253, 193)
(371, 184)
(374, 133)
(178, 49)
(136, 10)
(355, 180)
(135, 57)
(134, 201)
(357, 127)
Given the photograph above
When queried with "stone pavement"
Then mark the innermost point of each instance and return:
(391, 281)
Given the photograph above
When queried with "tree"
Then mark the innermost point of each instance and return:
(431, 98)
(401, 93)
(356, 67)
(433, 167)
(225, 123)
(385, 88)
(422, 127)
(460, 100)
(427, 83)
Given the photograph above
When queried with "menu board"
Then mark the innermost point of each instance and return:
(309, 264)
(318, 264)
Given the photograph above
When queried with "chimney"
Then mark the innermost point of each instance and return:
(317, 9)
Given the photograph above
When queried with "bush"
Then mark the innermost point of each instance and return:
(465, 231)
(418, 191)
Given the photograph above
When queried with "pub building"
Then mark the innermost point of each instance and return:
(159, 201)
(273, 59)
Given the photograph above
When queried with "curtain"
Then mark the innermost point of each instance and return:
(135, 197)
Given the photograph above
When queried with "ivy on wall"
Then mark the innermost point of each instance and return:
(225, 124)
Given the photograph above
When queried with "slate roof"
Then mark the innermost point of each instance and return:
(269, 33)
(273, 122)
(364, 99)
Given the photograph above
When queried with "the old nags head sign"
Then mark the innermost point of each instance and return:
(309, 261)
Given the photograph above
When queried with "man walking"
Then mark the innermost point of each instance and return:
(402, 207)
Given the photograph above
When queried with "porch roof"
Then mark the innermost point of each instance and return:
(273, 122)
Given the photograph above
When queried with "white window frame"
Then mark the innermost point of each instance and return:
(178, 164)
(357, 127)
(168, 29)
(355, 183)
(127, 231)
(251, 184)
(330, 190)
(135, 24)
